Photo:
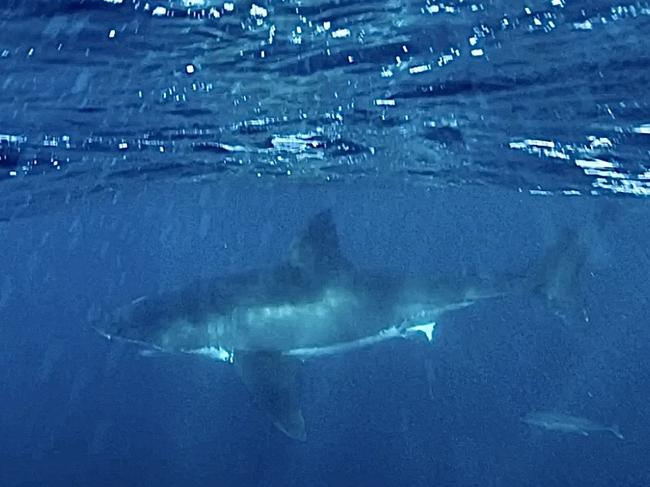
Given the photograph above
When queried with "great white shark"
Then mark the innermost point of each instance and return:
(313, 303)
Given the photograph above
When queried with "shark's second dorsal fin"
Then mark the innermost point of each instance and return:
(317, 250)
(272, 379)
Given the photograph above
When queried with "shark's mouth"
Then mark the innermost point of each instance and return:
(218, 354)
(146, 345)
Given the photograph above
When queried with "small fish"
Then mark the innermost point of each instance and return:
(565, 423)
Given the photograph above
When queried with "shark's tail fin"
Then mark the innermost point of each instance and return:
(558, 275)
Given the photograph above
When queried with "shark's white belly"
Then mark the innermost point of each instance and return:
(335, 321)
(285, 326)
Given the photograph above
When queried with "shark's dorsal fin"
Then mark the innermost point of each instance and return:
(317, 250)
(272, 380)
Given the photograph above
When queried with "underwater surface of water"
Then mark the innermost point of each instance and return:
(544, 96)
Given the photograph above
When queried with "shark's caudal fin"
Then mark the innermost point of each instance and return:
(557, 277)
(272, 380)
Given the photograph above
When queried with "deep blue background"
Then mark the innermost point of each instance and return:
(122, 174)
(78, 410)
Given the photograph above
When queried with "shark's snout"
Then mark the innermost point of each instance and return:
(104, 328)
(102, 332)
(110, 325)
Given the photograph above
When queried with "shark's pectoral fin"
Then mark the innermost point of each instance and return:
(272, 379)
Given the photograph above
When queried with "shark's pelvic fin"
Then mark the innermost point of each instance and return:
(317, 250)
(425, 328)
(272, 380)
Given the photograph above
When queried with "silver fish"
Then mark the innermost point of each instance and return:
(565, 423)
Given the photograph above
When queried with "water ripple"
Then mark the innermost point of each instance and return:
(533, 98)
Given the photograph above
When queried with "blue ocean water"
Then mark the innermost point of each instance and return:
(144, 145)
